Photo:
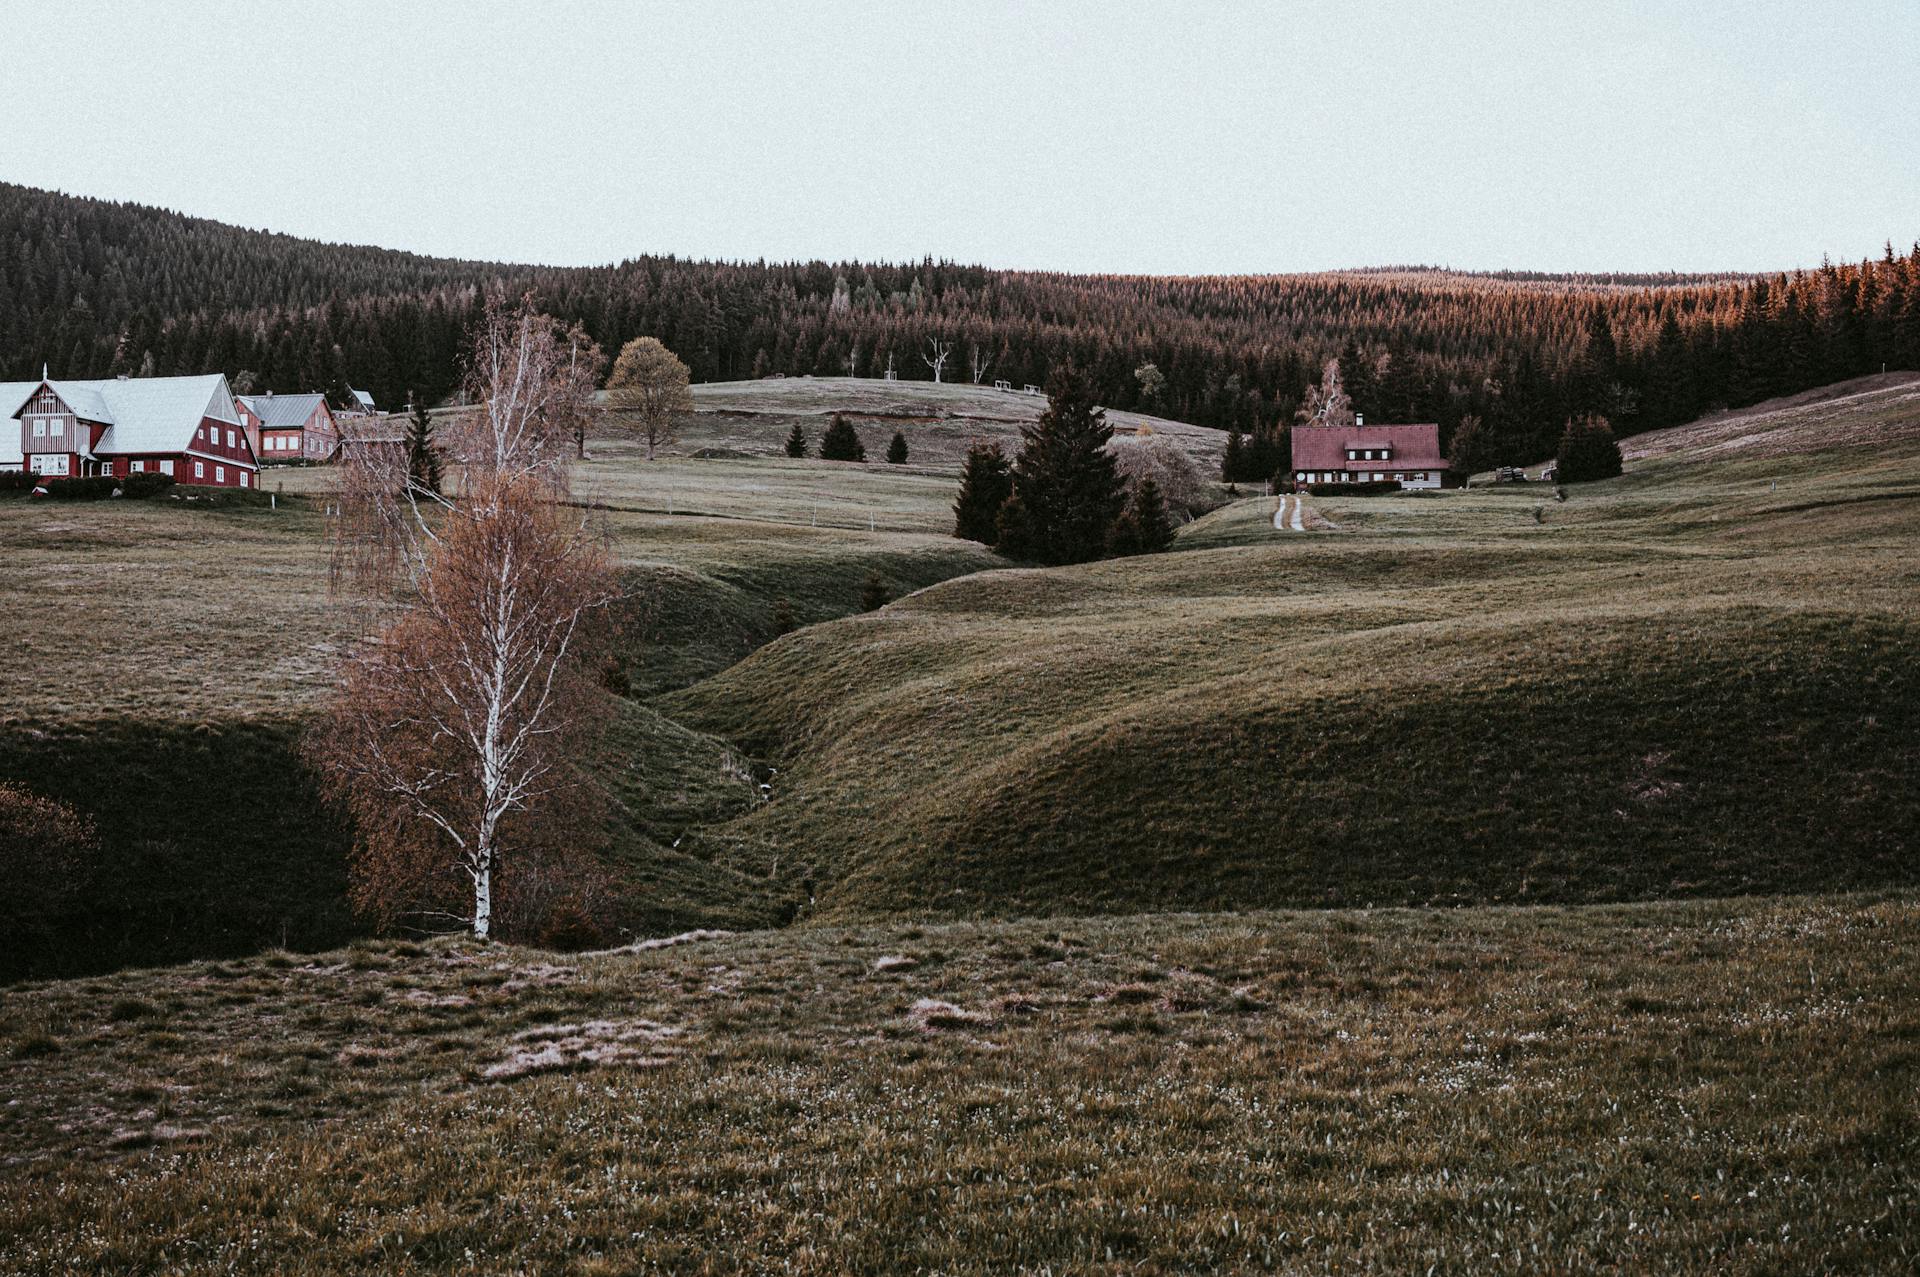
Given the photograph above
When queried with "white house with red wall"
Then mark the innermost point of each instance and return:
(291, 427)
(187, 427)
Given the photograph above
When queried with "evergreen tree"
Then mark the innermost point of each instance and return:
(840, 443)
(796, 441)
(1473, 448)
(1143, 527)
(897, 450)
(1066, 493)
(1587, 451)
(986, 482)
(423, 456)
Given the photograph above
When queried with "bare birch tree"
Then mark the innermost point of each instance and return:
(978, 361)
(936, 356)
(452, 735)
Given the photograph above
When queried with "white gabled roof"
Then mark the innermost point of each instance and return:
(144, 414)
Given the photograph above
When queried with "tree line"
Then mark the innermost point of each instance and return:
(93, 288)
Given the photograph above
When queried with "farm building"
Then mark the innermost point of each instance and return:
(1361, 453)
(187, 427)
(291, 427)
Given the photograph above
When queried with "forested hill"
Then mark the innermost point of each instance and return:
(94, 288)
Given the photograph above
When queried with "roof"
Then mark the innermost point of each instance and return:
(282, 412)
(1414, 447)
(143, 414)
(365, 398)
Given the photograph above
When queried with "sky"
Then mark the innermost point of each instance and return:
(1103, 136)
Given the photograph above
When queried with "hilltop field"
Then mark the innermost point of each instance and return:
(1471, 881)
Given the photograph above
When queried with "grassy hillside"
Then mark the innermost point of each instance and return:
(1722, 1087)
(1692, 680)
(167, 654)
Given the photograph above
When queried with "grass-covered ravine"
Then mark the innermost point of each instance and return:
(1723, 1087)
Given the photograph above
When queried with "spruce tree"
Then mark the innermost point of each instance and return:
(1143, 527)
(796, 441)
(1066, 493)
(840, 443)
(897, 450)
(1587, 451)
(423, 457)
(1230, 463)
(985, 483)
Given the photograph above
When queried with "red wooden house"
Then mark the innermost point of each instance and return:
(187, 427)
(1361, 453)
(291, 427)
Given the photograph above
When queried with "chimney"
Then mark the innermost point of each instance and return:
(1359, 419)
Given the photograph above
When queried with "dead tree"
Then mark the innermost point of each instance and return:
(936, 356)
(978, 361)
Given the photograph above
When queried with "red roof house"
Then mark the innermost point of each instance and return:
(1361, 454)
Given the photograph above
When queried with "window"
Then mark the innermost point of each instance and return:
(1377, 476)
(229, 438)
(243, 478)
(136, 466)
(166, 467)
(39, 428)
(219, 474)
(199, 469)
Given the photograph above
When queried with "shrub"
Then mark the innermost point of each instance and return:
(1370, 488)
(49, 854)
(1587, 451)
(1182, 485)
(840, 443)
(18, 480)
(783, 618)
(873, 593)
(85, 489)
(145, 483)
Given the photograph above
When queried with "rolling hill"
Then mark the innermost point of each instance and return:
(1692, 680)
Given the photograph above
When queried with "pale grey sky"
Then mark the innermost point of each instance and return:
(1115, 136)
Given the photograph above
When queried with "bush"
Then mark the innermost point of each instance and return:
(1182, 485)
(145, 483)
(873, 593)
(49, 854)
(1587, 451)
(1370, 488)
(87, 489)
(783, 618)
(18, 480)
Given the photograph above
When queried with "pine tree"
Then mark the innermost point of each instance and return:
(1066, 493)
(1587, 451)
(423, 457)
(796, 441)
(897, 450)
(986, 482)
(840, 443)
(1230, 462)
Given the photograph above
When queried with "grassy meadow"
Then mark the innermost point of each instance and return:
(1475, 882)
(1724, 1087)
